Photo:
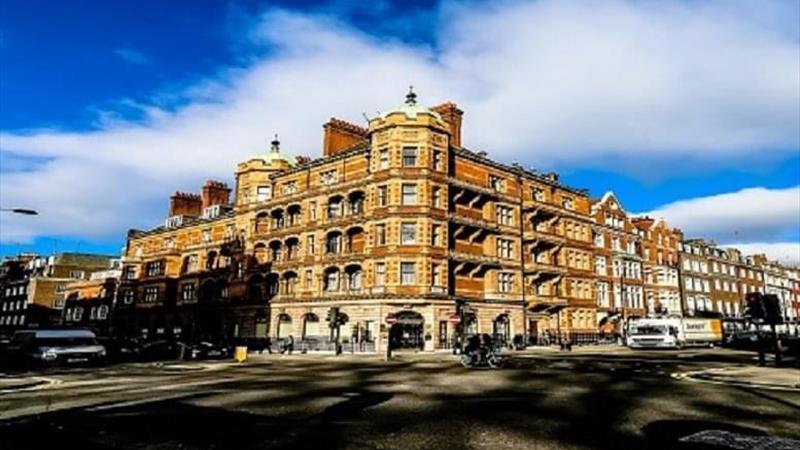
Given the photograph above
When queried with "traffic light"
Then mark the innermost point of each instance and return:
(333, 317)
(772, 308)
(755, 306)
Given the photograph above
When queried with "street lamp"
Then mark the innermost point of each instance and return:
(22, 211)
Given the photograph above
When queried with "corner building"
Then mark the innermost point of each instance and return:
(394, 220)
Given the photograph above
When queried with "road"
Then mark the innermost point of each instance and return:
(543, 399)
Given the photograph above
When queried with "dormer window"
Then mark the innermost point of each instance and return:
(538, 194)
(290, 187)
(566, 202)
(328, 177)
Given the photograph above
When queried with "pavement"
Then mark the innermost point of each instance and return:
(544, 399)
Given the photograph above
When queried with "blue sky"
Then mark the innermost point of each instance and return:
(106, 108)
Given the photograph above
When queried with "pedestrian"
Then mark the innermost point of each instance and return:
(290, 344)
(268, 345)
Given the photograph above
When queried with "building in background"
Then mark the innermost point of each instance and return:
(90, 303)
(618, 262)
(661, 271)
(34, 288)
(780, 281)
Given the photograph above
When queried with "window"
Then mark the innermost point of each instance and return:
(151, 294)
(206, 235)
(435, 275)
(437, 160)
(600, 265)
(334, 208)
(436, 197)
(311, 244)
(436, 235)
(409, 194)
(354, 280)
(334, 243)
(290, 187)
(127, 297)
(408, 233)
(383, 195)
(409, 156)
(61, 287)
(407, 273)
(383, 158)
(155, 268)
(312, 211)
(332, 281)
(187, 291)
(102, 312)
(537, 194)
(263, 193)
(76, 274)
(328, 177)
(505, 248)
(380, 234)
(309, 279)
(566, 203)
(495, 183)
(380, 274)
(504, 215)
(505, 281)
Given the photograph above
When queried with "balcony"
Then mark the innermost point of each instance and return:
(545, 303)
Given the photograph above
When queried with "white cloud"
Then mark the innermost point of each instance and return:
(784, 252)
(132, 56)
(749, 215)
(543, 82)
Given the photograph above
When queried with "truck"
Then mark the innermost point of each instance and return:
(673, 332)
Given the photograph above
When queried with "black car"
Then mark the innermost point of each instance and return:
(162, 350)
(208, 350)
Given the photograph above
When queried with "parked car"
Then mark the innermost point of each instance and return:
(161, 350)
(51, 347)
(208, 350)
(121, 349)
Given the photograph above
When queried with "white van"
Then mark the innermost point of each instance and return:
(673, 332)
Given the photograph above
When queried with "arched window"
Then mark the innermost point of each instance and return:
(275, 248)
(333, 242)
(331, 280)
(260, 253)
(278, 219)
(294, 212)
(354, 277)
(335, 205)
(311, 327)
(356, 202)
(284, 328)
(355, 240)
(289, 282)
(292, 246)
(211, 260)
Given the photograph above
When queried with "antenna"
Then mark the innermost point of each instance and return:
(365, 116)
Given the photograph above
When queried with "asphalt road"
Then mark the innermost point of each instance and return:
(542, 400)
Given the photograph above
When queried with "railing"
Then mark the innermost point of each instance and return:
(325, 344)
(571, 337)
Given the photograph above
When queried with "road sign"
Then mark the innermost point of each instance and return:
(391, 319)
(455, 319)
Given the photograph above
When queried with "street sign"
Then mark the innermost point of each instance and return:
(455, 319)
(391, 319)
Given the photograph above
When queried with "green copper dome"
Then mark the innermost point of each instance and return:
(275, 154)
(410, 107)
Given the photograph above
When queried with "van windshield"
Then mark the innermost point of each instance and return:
(65, 341)
(649, 330)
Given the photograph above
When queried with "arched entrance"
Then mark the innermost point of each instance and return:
(407, 332)
(501, 329)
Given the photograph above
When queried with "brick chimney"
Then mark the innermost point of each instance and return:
(185, 204)
(340, 135)
(215, 193)
(453, 116)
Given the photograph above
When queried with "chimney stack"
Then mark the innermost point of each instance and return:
(340, 135)
(185, 204)
(453, 116)
(215, 193)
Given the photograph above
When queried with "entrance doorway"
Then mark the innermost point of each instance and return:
(407, 332)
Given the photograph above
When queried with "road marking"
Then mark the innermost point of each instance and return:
(40, 383)
(693, 377)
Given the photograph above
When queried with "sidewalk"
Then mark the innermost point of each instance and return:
(17, 383)
(765, 377)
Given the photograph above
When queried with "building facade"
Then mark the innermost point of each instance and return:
(660, 254)
(407, 236)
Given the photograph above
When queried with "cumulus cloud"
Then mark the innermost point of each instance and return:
(546, 83)
(755, 220)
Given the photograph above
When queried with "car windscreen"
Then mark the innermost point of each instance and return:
(649, 330)
(65, 341)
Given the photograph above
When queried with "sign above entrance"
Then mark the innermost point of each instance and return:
(391, 319)
(455, 319)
